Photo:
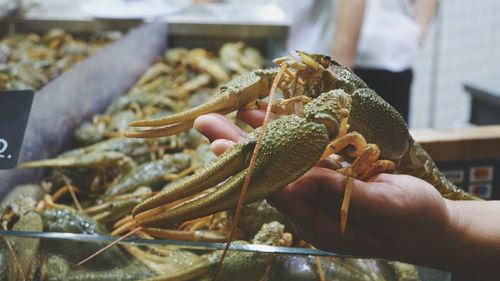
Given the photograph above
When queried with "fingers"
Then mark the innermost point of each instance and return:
(222, 133)
(328, 164)
(323, 189)
(221, 145)
(253, 117)
(313, 208)
(295, 202)
(298, 199)
(215, 126)
(368, 200)
(320, 187)
(372, 205)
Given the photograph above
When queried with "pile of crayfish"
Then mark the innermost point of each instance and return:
(29, 61)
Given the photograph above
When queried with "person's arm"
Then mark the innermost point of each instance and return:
(348, 22)
(396, 217)
(475, 245)
(424, 12)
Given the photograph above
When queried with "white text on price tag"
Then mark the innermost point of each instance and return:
(3, 147)
(15, 107)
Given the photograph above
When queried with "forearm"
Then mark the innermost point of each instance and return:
(348, 22)
(424, 12)
(473, 245)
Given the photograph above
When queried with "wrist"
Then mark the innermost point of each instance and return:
(438, 241)
(474, 243)
(430, 239)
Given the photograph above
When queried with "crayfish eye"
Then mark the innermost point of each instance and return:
(326, 61)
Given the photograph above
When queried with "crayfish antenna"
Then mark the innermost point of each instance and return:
(109, 246)
(251, 168)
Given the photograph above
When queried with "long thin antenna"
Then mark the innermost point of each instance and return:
(72, 192)
(109, 246)
(251, 168)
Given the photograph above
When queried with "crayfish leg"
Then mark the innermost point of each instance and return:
(344, 209)
(365, 162)
(353, 138)
(282, 106)
(380, 166)
(365, 166)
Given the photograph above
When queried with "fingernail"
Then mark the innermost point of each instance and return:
(227, 142)
(221, 145)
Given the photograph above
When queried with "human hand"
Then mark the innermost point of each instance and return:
(390, 216)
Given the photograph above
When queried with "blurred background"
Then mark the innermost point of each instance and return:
(461, 46)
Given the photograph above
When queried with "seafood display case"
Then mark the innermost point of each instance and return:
(84, 90)
(53, 238)
(94, 82)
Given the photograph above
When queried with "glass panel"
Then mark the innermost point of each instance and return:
(57, 258)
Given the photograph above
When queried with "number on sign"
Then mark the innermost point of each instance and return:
(3, 148)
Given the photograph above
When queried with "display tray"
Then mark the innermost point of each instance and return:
(192, 245)
(194, 261)
(79, 27)
(269, 38)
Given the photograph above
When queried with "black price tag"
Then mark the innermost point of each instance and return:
(15, 109)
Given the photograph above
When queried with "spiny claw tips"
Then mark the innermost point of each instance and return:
(145, 134)
(138, 209)
(150, 122)
(23, 166)
(130, 134)
(140, 123)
